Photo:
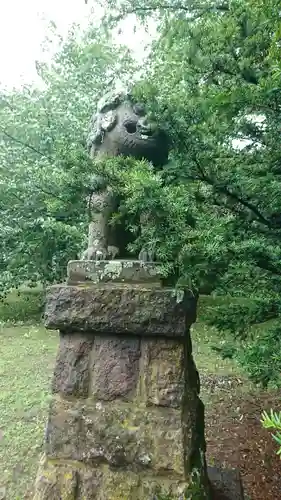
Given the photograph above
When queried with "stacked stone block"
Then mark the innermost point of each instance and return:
(125, 421)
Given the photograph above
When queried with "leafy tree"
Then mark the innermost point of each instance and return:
(45, 171)
(213, 214)
(213, 78)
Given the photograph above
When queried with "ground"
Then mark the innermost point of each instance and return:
(234, 434)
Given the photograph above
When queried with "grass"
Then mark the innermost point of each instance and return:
(207, 361)
(27, 357)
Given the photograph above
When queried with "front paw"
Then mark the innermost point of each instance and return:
(97, 252)
(112, 251)
(100, 254)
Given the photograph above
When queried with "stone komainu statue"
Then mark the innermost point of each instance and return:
(119, 127)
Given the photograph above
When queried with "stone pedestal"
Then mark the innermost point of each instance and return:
(125, 421)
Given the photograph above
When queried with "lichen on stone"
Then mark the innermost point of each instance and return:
(112, 269)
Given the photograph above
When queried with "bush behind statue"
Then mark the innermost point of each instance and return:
(254, 334)
(22, 306)
(261, 358)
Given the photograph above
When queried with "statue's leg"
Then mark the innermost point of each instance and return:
(101, 207)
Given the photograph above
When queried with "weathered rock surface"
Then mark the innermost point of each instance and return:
(116, 435)
(116, 309)
(226, 484)
(72, 375)
(115, 368)
(71, 481)
(134, 271)
(126, 421)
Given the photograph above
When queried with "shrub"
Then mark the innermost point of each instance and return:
(261, 358)
(273, 421)
(22, 306)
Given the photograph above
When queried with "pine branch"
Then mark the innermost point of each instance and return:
(223, 7)
(24, 144)
(224, 190)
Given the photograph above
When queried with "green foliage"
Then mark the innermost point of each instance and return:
(22, 306)
(261, 357)
(45, 169)
(213, 80)
(239, 316)
(227, 351)
(273, 421)
(213, 214)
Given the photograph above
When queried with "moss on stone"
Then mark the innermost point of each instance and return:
(55, 483)
(120, 485)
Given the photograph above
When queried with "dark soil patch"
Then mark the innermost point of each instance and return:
(235, 437)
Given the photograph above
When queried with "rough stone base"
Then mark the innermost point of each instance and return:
(226, 484)
(73, 480)
(125, 421)
(115, 427)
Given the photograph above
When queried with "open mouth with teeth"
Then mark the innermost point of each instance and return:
(145, 136)
(132, 127)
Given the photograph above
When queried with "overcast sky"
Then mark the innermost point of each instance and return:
(23, 27)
